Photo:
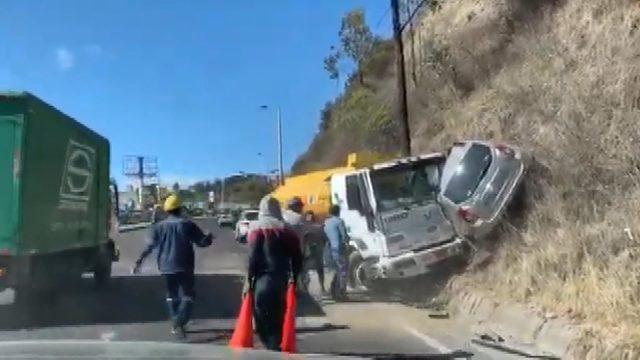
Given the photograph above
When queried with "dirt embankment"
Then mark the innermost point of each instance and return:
(561, 79)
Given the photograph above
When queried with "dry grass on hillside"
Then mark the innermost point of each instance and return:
(562, 80)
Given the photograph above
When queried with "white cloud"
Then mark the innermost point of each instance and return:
(65, 58)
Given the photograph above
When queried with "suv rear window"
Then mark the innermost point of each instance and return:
(468, 173)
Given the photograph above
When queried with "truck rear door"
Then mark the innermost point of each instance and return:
(10, 164)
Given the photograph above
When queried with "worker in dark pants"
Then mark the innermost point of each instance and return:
(315, 240)
(275, 259)
(336, 232)
(294, 219)
(174, 238)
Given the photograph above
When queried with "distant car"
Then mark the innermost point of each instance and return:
(242, 226)
(197, 212)
(226, 219)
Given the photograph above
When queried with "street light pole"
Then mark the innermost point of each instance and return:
(280, 166)
(222, 192)
(280, 156)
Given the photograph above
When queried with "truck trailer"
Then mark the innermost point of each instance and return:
(57, 203)
(314, 188)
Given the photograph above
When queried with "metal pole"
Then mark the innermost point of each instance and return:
(222, 194)
(405, 135)
(141, 177)
(281, 168)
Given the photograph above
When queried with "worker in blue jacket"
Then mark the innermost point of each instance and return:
(336, 232)
(173, 238)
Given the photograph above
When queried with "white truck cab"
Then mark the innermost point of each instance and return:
(405, 216)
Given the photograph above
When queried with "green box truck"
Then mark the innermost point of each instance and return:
(57, 203)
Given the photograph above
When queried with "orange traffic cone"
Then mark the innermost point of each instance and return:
(288, 343)
(243, 333)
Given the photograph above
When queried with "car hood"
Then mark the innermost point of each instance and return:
(89, 349)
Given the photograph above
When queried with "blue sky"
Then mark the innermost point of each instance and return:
(181, 80)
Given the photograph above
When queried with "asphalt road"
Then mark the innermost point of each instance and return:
(132, 308)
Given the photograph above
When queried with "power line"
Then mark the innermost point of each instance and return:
(386, 13)
(413, 14)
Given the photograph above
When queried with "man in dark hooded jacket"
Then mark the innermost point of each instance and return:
(275, 259)
(173, 238)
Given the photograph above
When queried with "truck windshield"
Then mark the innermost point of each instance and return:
(405, 185)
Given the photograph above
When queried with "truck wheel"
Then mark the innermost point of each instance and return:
(357, 276)
(102, 272)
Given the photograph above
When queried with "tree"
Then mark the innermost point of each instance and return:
(331, 64)
(176, 188)
(200, 187)
(355, 36)
(356, 43)
(325, 116)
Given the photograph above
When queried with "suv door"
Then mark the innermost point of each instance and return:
(478, 181)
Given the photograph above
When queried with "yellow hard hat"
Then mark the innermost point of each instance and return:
(172, 203)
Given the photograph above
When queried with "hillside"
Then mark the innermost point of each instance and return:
(561, 80)
(359, 119)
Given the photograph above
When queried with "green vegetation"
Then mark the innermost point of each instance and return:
(244, 189)
(360, 118)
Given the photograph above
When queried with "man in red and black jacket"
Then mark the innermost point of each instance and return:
(275, 259)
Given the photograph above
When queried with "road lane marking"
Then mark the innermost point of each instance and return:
(431, 342)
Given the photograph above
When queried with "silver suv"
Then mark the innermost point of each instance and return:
(478, 181)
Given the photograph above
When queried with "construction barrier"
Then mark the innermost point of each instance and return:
(243, 333)
(288, 343)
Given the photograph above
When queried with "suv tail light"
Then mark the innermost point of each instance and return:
(505, 150)
(467, 215)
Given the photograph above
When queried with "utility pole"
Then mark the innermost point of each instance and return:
(405, 135)
(140, 178)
